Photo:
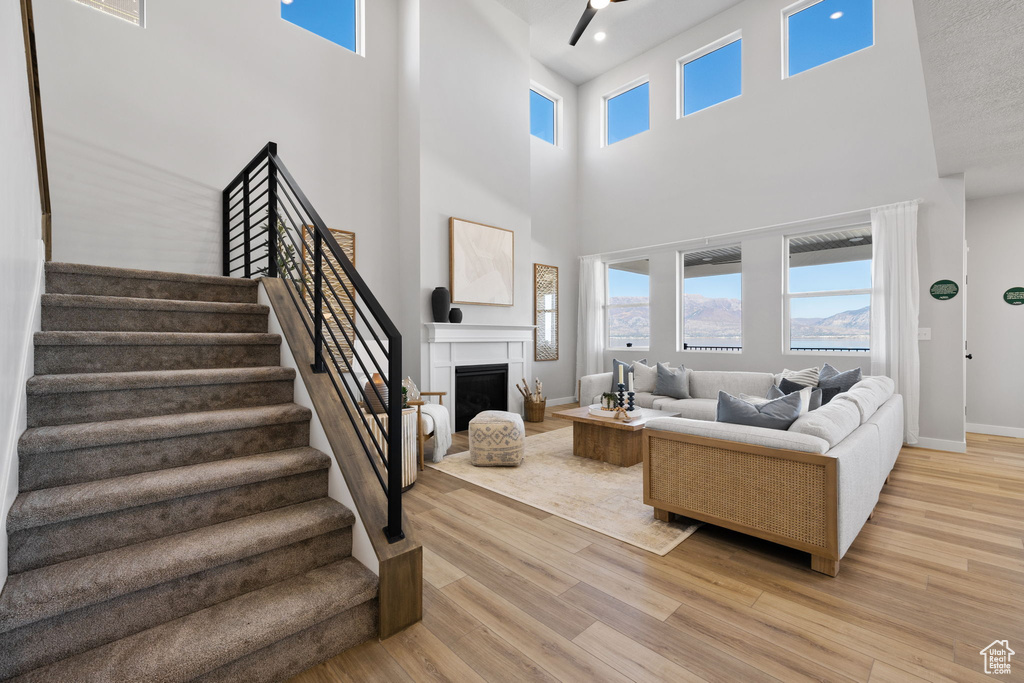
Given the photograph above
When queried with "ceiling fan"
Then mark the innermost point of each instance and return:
(588, 16)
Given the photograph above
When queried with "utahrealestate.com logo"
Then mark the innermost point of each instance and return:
(997, 657)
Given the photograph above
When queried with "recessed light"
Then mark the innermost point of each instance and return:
(707, 258)
(856, 239)
(599, 4)
(600, 36)
(836, 15)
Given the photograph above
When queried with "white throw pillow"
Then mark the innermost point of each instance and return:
(808, 377)
(645, 378)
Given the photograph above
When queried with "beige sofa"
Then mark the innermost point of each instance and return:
(812, 487)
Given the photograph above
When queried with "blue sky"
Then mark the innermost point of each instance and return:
(334, 20)
(629, 113)
(542, 117)
(827, 306)
(713, 78)
(816, 38)
(830, 277)
(623, 283)
(715, 286)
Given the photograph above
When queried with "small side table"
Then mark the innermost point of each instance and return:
(409, 430)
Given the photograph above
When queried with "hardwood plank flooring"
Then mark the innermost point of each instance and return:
(512, 593)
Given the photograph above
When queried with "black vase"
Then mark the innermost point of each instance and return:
(440, 303)
(455, 316)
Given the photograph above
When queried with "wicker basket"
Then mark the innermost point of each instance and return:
(535, 410)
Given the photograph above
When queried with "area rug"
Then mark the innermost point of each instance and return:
(599, 496)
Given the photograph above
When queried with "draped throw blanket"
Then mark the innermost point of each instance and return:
(590, 342)
(895, 304)
(442, 428)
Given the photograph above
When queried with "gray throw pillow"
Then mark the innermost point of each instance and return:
(786, 387)
(777, 414)
(626, 369)
(831, 380)
(672, 382)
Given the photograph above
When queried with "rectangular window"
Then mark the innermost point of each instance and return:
(628, 312)
(712, 75)
(132, 11)
(828, 295)
(628, 113)
(712, 317)
(543, 116)
(824, 30)
(335, 20)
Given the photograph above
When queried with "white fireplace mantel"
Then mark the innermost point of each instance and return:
(447, 333)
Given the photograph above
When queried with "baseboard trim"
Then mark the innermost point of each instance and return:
(561, 401)
(996, 430)
(941, 445)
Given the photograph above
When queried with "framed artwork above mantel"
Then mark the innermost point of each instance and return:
(481, 266)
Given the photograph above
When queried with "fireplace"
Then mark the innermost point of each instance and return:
(479, 388)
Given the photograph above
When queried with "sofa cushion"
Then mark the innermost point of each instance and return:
(808, 377)
(673, 383)
(754, 436)
(812, 396)
(707, 383)
(645, 378)
(645, 399)
(870, 393)
(832, 422)
(830, 378)
(690, 408)
(777, 414)
(626, 369)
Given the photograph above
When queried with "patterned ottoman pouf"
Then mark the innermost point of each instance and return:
(496, 439)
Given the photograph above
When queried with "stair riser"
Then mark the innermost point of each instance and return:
(86, 319)
(138, 288)
(44, 470)
(76, 359)
(53, 639)
(99, 406)
(302, 651)
(40, 546)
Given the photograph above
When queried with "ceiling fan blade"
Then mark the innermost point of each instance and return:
(588, 16)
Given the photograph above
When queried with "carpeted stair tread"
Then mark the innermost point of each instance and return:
(63, 503)
(55, 589)
(203, 641)
(134, 274)
(143, 304)
(62, 338)
(41, 385)
(92, 434)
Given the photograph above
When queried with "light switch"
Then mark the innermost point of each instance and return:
(924, 334)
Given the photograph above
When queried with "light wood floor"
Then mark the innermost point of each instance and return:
(515, 594)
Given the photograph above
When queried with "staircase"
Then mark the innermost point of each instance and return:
(173, 523)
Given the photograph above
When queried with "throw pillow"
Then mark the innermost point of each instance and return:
(833, 382)
(672, 382)
(626, 369)
(645, 378)
(757, 400)
(777, 414)
(815, 396)
(808, 377)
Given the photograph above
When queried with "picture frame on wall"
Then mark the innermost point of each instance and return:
(481, 264)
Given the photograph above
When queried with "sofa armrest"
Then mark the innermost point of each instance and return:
(594, 385)
(752, 436)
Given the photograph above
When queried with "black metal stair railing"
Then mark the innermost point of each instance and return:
(272, 230)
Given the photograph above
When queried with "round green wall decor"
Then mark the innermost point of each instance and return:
(1014, 296)
(944, 290)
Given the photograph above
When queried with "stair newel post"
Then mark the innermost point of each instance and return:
(393, 531)
(272, 219)
(318, 315)
(226, 219)
(246, 228)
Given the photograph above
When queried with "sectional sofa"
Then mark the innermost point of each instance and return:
(812, 487)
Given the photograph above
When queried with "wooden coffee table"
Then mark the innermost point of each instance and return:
(611, 441)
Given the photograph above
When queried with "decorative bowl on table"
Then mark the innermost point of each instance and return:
(599, 411)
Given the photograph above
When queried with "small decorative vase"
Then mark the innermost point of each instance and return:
(455, 315)
(440, 303)
(412, 389)
(372, 402)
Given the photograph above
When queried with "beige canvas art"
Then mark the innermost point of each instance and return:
(482, 264)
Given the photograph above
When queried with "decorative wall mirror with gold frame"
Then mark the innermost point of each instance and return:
(337, 321)
(545, 312)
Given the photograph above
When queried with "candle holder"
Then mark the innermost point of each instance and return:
(622, 395)
(629, 406)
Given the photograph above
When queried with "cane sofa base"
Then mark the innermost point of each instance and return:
(782, 496)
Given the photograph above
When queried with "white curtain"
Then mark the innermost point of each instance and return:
(590, 339)
(895, 304)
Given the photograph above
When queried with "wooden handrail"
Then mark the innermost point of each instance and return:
(32, 64)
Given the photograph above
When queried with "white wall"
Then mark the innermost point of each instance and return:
(995, 330)
(554, 180)
(146, 126)
(21, 259)
(844, 137)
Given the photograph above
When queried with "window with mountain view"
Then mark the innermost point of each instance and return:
(829, 291)
(713, 300)
(628, 312)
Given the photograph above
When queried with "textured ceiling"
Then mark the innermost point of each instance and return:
(633, 28)
(973, 56)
